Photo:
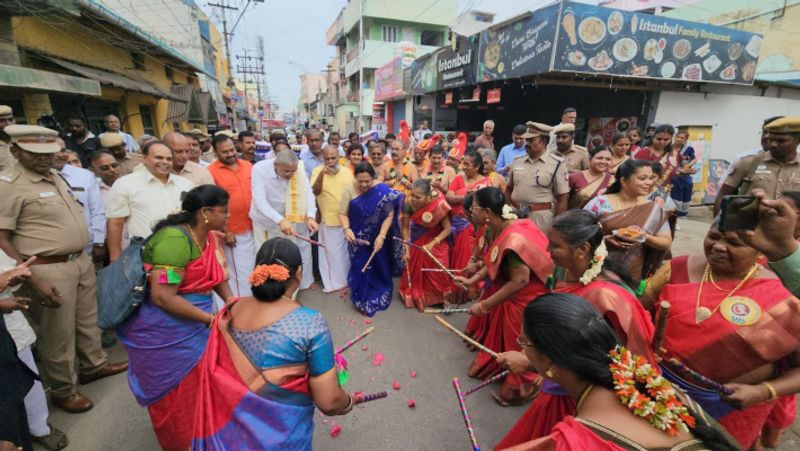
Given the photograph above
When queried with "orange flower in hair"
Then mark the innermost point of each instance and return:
(262, 273)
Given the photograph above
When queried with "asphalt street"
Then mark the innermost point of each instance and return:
(408, 340)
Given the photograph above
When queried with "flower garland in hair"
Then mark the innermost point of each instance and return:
(508, 212)
(262, 273)
(596, 265)
(659, 404)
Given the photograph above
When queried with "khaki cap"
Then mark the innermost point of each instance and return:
(227, 133)
(564, 128)
(789, 124)
(198, 132)
(6, 110)
(33, 138)
(536, 129)
(111, 139)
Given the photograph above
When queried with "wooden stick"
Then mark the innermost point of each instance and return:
(465, 415)
(661, 325)
(464, 337)
(446, 310)
(309, 240)
(491, 380)
(358, 338)
(369, 260)
(367, 398)
(361, 242)
(440, 270)
(438, 263)
(698, 378)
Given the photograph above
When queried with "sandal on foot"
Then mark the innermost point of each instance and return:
(516, 402)
(56, 440)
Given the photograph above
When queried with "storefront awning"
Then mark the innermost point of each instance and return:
(35, 79)
(113, 79)
(186, 106)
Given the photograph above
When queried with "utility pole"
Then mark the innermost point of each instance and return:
(223, 7)
(255, 69)
(360, 67)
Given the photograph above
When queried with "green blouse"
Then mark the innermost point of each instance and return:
(170, 247)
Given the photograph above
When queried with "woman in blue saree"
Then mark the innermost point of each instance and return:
(268, 364)
(369, 215)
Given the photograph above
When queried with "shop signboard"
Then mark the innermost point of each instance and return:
(493, 95)
(389, 80)
(601, 129)
(599, 40)
(423, 75)
(522, 47)
(455, 66)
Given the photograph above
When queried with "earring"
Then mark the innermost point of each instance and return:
(549, 373)
(205, 219)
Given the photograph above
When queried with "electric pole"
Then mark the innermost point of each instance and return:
(223, 7)
(251, 65)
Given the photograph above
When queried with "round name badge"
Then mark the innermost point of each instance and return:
(495, 253)
(427, 217)
(740, 310)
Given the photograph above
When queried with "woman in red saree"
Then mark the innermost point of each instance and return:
(462, 232)
(517, 263)
(590, 183)
(425, 223)
(167, 334)
(576, 244)
(620, 151)
(733, 322)
(567, 341)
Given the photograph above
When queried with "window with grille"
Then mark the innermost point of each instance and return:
(389, 33)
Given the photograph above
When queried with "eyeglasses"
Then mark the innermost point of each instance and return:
(523, 343)
(106, 167)
(224, 211)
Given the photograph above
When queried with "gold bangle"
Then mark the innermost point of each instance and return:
(773, 394)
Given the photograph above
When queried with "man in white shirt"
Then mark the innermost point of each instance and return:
(181, 164)
(284, 205)
(142, 198)
(113, 126)
(419, 135)
(86, 189)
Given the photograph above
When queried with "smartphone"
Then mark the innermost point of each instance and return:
(738, 213)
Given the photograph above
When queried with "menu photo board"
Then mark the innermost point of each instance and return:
(521, 47)
(600, 130)
(423, 75)
(601, 40)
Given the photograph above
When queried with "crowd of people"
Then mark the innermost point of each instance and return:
(562, 256)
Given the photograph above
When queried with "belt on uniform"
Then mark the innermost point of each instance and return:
(541, 206)
(51, 259)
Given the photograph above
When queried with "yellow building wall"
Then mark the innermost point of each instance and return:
(36, 34)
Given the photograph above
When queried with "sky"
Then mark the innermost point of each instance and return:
(294, 36)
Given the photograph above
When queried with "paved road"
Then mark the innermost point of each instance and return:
(408, 340)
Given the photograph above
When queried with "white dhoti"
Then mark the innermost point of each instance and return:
(35, 400)
(334, 259)
(241, 260)
(264, 232)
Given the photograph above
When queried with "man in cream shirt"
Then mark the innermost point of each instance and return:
(283, 205)
(142, 198)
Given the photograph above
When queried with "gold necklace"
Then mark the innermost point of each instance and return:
(583, 396)
(703, 313)
(194, 237)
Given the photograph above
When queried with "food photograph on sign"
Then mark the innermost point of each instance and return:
(594, 39)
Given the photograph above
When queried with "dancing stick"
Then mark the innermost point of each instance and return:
(438, 263)
(661, 325)
(446, 310)
(699, 378)
(465, 415)
(360, 337)
(491, 380)
(440, 270)
(310, 241)
(361, 242)
(465, 338)
(367, 398)
(369, 260)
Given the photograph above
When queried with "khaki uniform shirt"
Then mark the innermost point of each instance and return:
(6, 159)
(196, 173)
(577, 158)
(129, 163)
(538, 181)
(771, 176)
(42, 212)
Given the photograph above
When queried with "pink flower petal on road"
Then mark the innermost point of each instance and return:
(367, 321)
(364, 348)
(396, 385)
(377, 360)
(412, 373)
(336, 430)
(412, 403)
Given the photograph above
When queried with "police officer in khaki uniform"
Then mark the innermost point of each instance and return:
(115, 144)
(577, 157)
(538, 181)
(40, 216)
(775, 171)
(6, 119)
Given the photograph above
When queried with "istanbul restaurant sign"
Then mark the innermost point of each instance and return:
(579, 38)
